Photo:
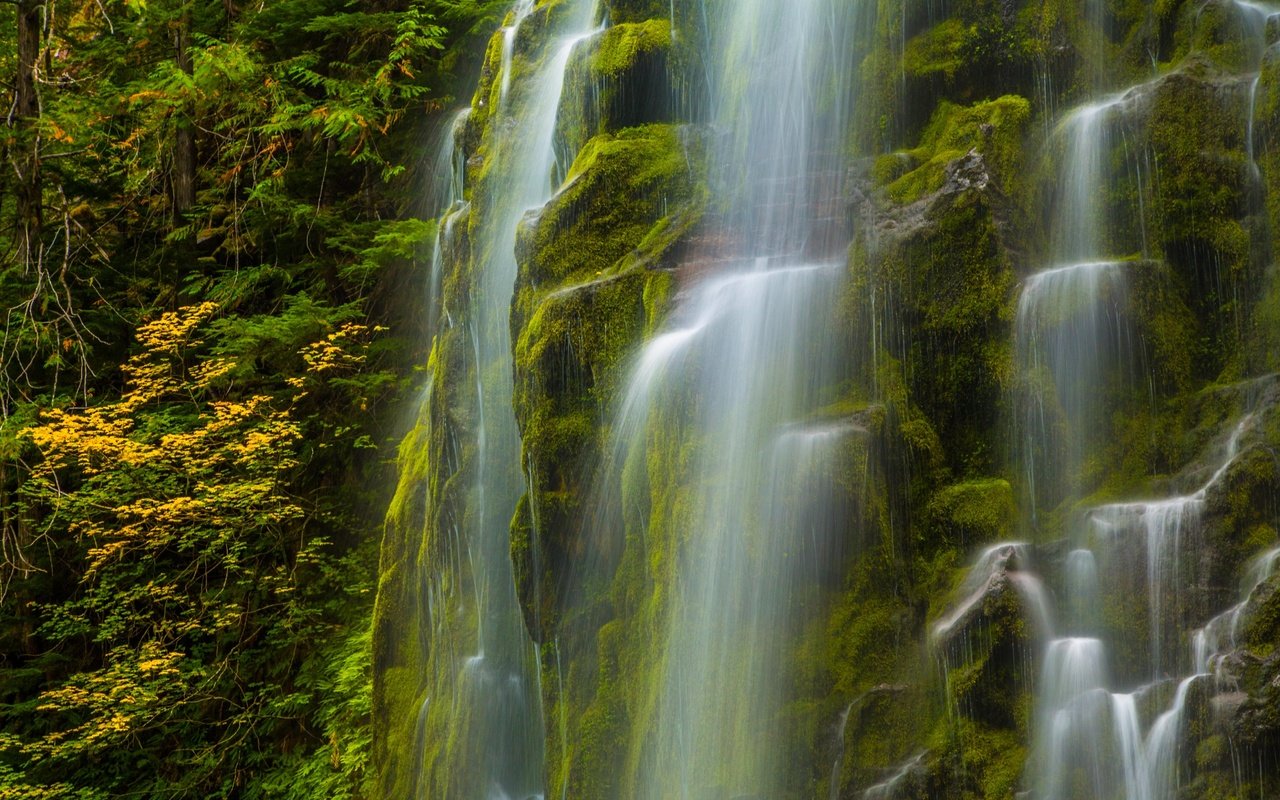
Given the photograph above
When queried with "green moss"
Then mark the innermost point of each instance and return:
(625, 78)
(1197, 139)
(944, 49)
(622, 45)
(620, 189)
(973, 512)
(657, 299)
(1222, 34)
(999, 756)
(945, 276)
(623, 11)
(994, 128)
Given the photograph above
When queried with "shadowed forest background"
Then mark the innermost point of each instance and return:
(208, 265)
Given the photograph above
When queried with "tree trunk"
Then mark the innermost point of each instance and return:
(26, 158)
(184, 146)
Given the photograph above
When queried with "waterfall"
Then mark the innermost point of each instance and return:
(1073, 345)
(735, 380)
(1072, 335)
(729, 454)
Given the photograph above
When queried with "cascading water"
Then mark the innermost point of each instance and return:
(1079, 213)
(1089, 739)
(1072, 336)
(1073, 342)
(1070, 330)
(448, 177)
(1221, 634)
(482, 716)
(739, 373)
(729, 432)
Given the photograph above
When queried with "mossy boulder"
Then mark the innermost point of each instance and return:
(1232, 35)
(571, 358)
(623, 78)
(631, 193)
(981, 50)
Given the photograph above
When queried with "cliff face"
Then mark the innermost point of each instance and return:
(1033, 304)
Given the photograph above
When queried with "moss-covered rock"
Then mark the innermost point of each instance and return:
(591, 283)
(629, 193)
(994, 128)
(625, 77)
(942, 271)
(967, 514)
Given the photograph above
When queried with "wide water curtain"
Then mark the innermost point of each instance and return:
(847, 399)
(738, 377)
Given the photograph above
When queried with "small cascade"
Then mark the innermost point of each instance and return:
(1072, 336)
(509, 32)
(446, 240)
(448, 176)
(1110, 708)
(449, 166)
(1255, 18)
(1007, 562)
(1221, 634)
(1160, 529)
(804, 498)
(1084, 613)
(1072, 719)
(1090, 739)
(1069, 330)
(892, 788)
(1077, 230)
(834, 792)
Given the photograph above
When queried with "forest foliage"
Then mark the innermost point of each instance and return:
(211, 231)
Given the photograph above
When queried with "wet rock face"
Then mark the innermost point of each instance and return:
(988, 637)
(990, 598)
